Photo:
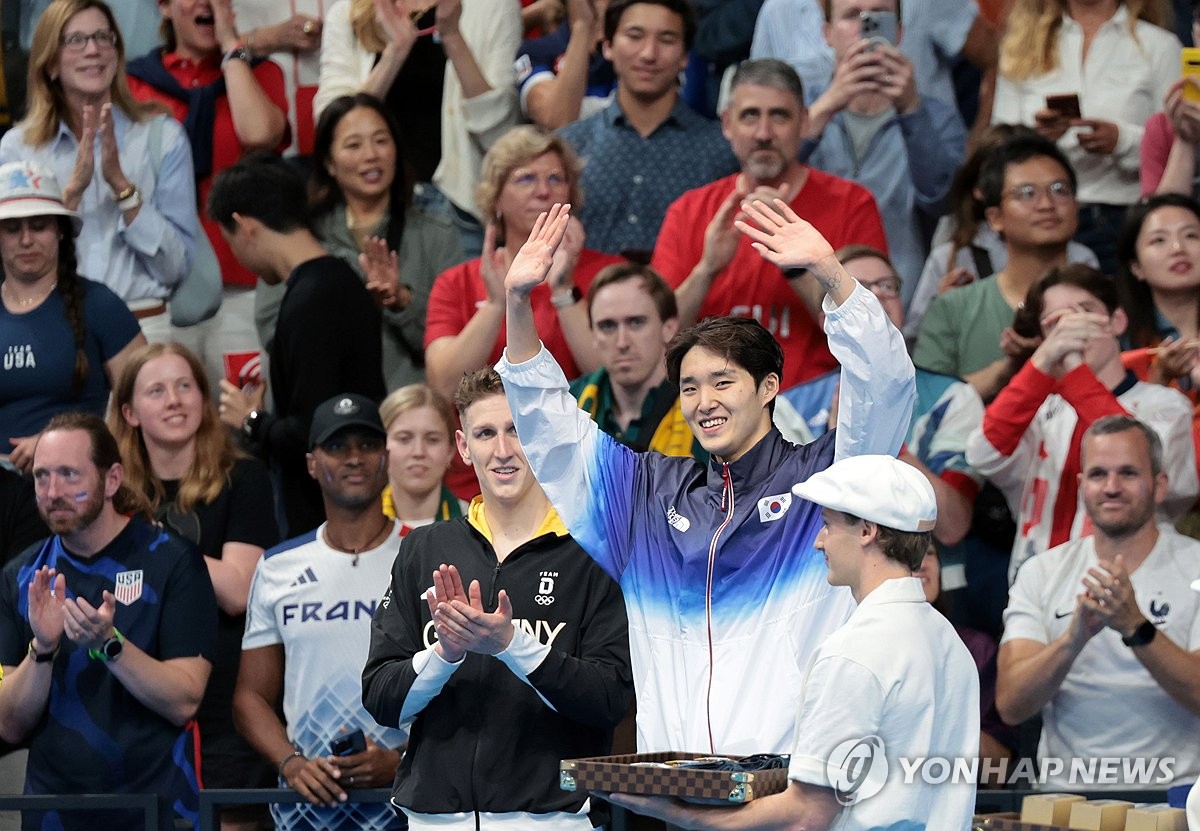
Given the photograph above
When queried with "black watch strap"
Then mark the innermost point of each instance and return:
(42, 657)
(1142, 635)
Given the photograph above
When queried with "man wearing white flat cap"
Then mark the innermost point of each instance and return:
(895, 682)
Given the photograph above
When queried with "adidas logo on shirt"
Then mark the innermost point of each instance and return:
(306, 577)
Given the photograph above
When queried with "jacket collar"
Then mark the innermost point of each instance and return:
(753, 468)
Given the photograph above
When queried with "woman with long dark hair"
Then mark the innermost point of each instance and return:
(63, 338)
(1159, 286)
(358, 198)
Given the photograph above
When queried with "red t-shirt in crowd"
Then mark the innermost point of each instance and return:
(226, 147)
(750, 286)
(459, 291)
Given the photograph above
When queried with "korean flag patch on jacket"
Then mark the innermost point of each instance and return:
(771, 508)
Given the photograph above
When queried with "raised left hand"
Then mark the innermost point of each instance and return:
(898, 82)
(532, 263)
(87, 626)
(110, 161)
(781, 236)
(1110, 595)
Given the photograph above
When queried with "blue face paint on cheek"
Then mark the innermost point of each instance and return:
(81, 496)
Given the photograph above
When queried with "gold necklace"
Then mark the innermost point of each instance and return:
(27, 302)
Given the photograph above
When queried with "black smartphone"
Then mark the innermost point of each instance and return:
(347, 744)
(1065, 105)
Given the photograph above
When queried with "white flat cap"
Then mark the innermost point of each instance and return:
(881, 489)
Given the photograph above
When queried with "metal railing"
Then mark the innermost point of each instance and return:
(211, 801)
(147, 803)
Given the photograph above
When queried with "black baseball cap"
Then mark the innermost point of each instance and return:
(346, 410)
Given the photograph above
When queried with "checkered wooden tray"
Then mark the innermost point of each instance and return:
(620, 774)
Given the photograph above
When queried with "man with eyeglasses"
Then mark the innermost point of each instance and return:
(308, 631)
(1029, 444)
(1027, 188)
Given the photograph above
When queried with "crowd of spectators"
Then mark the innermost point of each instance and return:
(268, 242)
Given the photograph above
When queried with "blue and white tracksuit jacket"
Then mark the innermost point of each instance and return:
(727, 598)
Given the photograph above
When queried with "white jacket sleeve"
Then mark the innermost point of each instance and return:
(877, 391)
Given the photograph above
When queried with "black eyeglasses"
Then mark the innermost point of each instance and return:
(77, 41)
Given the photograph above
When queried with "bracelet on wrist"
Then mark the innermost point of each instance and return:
(283, 762)
(564, 299)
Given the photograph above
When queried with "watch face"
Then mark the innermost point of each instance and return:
(112, 648)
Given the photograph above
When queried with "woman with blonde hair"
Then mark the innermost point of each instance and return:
(524, 174)
(420, 439)
(1088, 74)
(176, 453)
(125, 167)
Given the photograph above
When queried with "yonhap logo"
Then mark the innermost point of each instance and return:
(857, 769)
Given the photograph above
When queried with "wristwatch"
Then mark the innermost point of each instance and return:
(110, 650)
(563, 299)
(237, 53)
(250, 424)
(42, 657)
(1142, 635)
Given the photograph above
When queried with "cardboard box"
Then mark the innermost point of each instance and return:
(1049, 808)
(623, 774)
(1156, 818)
(1099, 815)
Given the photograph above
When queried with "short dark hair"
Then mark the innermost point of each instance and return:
(769, 72)
(742, 340)
(905, 547)
(1015, 150)
(477, 385)
(616, 9)
(1136, 297)
(652, 283)
(104, 454)
(1073, 274)
(264, 187)
(1113, 424)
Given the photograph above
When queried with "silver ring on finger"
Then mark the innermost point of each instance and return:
(350, 781)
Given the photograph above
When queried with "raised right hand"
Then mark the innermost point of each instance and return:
(85, 160)
(47, 615)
